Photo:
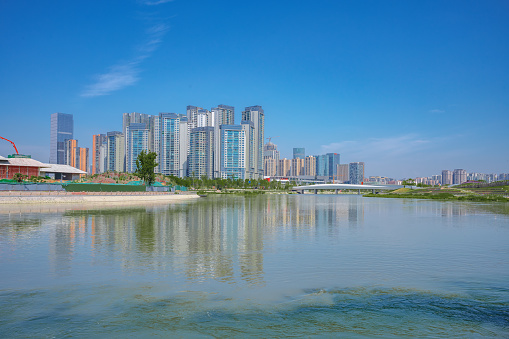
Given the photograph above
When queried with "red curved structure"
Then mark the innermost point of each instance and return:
(12, 144)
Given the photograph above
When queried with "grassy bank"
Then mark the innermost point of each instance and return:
(494, 194)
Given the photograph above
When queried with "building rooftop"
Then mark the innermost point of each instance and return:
(54, 168)
(2, 158)
(24, 162)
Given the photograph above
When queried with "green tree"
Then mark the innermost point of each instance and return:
(145, 165)
(19, 177)
(408, 182)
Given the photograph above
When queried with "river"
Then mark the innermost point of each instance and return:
(268, 265)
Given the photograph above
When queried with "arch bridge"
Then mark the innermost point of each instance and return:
(337, 187)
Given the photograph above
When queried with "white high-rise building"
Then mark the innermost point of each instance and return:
(172, 143)
(256, 115)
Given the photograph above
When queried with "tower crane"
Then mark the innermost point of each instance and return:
(12, 144)
(269, 138)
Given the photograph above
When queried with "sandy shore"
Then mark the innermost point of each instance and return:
(96, 198)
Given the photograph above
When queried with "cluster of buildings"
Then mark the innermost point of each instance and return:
(208, 143)
(199, 143)
(459, 176)
(311, 168)
(64, 148)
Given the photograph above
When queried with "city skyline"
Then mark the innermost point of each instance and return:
(409, 89)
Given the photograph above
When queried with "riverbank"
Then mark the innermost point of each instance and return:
(109, 198)
(459, 194)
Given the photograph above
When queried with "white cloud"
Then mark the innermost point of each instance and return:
(126, 73)
(436, 110)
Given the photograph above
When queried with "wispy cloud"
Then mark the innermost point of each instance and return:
(392, 146)
(436, 111)
(126, 73)
(154, 2)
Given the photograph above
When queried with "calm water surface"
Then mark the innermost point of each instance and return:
(272, 265)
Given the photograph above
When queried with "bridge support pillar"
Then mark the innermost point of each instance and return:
(337, 191)
(316, 191)
(373, 191)
(358, 191)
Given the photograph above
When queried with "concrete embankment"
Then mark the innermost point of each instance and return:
(92, 198)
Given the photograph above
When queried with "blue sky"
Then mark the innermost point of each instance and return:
(408, 87)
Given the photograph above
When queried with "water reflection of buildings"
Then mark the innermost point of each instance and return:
(201, 240)
(219, 239)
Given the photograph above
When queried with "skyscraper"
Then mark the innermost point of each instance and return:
(299, 153)
(62, 129)
(97, 141)
(333, 162)
(201, 152)
(326, 165)
(136, 142)
(356, 172)
(257, 116)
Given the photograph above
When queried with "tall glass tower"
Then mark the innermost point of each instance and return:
(299, 152)
(62, 129)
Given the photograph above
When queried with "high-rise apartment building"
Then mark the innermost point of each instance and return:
(62, 129)
(270, 167)
(227, 114)
(343, 173)
(270, 151)
(356, 173)
(233, 152)
(98, 140)
(103, 158)
(446, 177)
(257, 116)
(115, 159)
(299, 152)
(310, 166)
(71, 153)
(140, 118)
(459, 176)
(172, 144)
(83, 159)
(218, 116)
(270, 159)
(297, 167)
(192, 115)
(135, 118)
(137, 140)
(201, 152)
(251, 150)
(284, 168)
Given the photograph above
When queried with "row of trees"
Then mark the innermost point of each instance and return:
(146, 163)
